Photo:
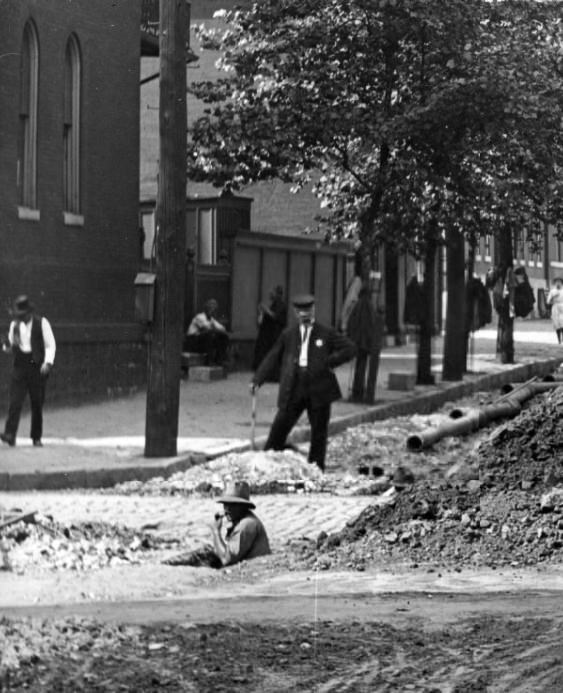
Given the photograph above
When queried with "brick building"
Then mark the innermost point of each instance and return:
(69, 175)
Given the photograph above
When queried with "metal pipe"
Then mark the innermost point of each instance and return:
(553, 378)
(463, 422)
(522, 394)
(466, 424)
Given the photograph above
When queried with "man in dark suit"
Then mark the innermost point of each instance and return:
(307, 353)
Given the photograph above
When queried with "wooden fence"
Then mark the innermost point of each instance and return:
(300, 265)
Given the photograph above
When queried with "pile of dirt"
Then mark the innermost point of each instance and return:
(360, 461)
(41, 544)
(527, 452)
(265, 471)
(514, 516)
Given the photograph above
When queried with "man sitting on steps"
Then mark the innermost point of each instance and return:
(206, 335)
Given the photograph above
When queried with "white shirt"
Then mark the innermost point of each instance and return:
(201, 324)
(305, 336)
(25, 338)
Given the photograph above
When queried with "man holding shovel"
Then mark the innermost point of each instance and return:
(308, 352)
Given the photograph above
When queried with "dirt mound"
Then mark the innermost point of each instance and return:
(266, 472)
(514, 516)
(527, 452)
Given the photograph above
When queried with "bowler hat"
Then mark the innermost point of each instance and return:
(22, 305)
(303, 300)
(237, 492)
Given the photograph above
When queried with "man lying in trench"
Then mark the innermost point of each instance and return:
(245, 535)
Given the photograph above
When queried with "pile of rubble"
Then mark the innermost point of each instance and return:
(361, 460)
(512, 516)
(38, 542)
(266, 472)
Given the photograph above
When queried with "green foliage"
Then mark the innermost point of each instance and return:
(407, 117)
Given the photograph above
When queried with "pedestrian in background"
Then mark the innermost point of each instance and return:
(365, 328)
(272, 319)
(308, 352)
(32, 344)
(555, 300)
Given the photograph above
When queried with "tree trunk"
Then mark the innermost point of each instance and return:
(163, 388)
(505, 337)
(455, 341)
(505, 329)
(424, 361)
(367, 362)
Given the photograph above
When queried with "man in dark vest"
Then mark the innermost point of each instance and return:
(32, 343)
(307, 353)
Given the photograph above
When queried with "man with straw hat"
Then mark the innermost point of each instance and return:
(245, 536)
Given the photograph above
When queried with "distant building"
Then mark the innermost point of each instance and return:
(274, 208)
(541, 266)
(69, 175)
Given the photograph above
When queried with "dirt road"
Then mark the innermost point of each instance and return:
(427, 642)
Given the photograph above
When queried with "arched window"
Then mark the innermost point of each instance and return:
(71, 127)
(29, 96)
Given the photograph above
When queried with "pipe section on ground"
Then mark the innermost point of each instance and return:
(463, 422)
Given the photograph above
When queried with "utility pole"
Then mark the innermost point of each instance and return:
(163, 390)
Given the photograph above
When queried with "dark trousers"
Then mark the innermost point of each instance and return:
(286, 419)
(363, 391)
(26, 378)
(213, 344)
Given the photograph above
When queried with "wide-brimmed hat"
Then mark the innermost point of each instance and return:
(303, 300)
(22, 306)
(237, 492)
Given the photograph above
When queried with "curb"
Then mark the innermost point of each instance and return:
(103, 477)
(418, 403)
(427, 402)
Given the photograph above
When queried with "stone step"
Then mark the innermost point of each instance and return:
(206, 373)
(402, 381)
(190, 359)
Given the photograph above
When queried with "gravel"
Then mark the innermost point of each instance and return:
(512, 515)
(491, 498)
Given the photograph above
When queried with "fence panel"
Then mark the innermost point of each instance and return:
(300, 265)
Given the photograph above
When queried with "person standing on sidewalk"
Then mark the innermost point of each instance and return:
(307, 353)
(32, 344)
(555, 300)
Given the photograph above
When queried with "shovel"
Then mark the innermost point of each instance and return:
(253, 422)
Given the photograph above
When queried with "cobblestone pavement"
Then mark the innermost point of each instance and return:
(286, 516)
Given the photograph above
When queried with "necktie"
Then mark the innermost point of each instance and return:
(303, 350)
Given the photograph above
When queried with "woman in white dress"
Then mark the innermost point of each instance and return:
(555, 300)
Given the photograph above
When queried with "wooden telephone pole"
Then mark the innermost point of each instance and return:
(163, 390)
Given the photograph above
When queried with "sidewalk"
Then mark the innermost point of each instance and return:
(102, 444)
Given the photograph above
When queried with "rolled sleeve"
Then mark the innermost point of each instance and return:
(49, 341)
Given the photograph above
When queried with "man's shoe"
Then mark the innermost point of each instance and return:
(7, 439)
(37, 443)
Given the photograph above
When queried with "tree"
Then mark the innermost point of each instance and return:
(393, 103)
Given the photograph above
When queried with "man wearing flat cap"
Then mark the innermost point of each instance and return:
(308, 352)
(32, 344)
